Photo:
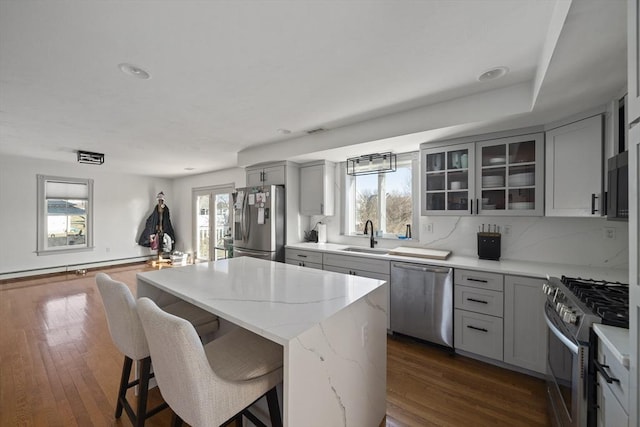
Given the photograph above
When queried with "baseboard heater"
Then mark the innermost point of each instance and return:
(72, 267)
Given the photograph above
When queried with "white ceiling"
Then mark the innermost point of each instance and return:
(226, 75)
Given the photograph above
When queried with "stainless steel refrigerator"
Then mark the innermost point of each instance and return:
(258, 222)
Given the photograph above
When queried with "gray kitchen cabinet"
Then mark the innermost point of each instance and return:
(372, 268)
(317, 188)
(478, 311)
(489, 176)
(613, 395)
(525, 331)
(633, 62)
(266, 174)
(574, 169)
(447, 179)
(303, 258)
(478, 333)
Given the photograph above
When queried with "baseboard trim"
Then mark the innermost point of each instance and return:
(71, 268)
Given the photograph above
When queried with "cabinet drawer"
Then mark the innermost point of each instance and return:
(610, 411)
(301, 255)
(304, 263)
(373, 265)
(479, 279)
(356, 272)
(479, 300)
(614, 369)
(478, 333)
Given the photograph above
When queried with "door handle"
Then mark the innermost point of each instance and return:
(471, 279)
(609, 379)
(477, 329)
(477, 300)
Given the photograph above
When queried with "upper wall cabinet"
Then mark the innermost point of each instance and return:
(448, 180)
(495, 177)
(265, 175)
(316, 188)
(633, 61)
(574, 175)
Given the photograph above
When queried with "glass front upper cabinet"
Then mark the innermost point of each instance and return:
(494, 177)
(448, 180)
(509, 176)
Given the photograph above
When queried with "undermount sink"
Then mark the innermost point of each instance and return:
(367, 250)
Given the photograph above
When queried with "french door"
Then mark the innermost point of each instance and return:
(212, 212)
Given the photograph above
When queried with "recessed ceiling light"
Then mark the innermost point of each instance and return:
(284, 131)
(134, 71)
(189, 169)
(494, 73)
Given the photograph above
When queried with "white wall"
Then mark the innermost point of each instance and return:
(180, 202)
(122, 204)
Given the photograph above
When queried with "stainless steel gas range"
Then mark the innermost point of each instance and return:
(573, 305)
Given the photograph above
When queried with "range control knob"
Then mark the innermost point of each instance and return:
(547, 289)
(569, 316)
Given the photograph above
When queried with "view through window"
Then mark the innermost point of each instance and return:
(386, 199)
(64, 215)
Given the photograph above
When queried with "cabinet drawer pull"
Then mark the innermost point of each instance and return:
(477, 329)
(302, 256)
(477, 300)
(471, 279)
(604, 373)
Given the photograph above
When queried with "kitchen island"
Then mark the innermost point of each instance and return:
(332, 328)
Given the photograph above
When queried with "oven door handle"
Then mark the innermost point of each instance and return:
(566, 341)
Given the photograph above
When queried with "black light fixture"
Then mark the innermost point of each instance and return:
(90, 158)
(372, 163)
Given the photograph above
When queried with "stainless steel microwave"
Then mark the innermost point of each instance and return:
(618, 187)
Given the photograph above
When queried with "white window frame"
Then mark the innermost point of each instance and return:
(348, 199)
(42, 240)
(211, 191)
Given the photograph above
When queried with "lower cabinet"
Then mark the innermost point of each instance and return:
(372, 268)
(525, 331)
(478, 333)
(501, 317)
(613, 389)
(303, 258)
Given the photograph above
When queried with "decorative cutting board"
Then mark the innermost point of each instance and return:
(420, 252)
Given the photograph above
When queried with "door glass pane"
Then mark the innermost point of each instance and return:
(222, 226)
(522, 176)
(522, 198)
(458, 159)
(435, 201)
(494, 155)
(522, 152)
(435, 181)
(202, 236)
(493, 177)
(492, 199)
(458, 180)
(457, 201)
(435, 162)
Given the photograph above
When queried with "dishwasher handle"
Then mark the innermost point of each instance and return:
(416, 267)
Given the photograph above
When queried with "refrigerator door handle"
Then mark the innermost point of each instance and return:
(246, 218)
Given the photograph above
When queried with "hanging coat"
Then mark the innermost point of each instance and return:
(151, 226)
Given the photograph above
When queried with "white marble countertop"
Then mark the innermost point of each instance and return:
(513, 267)
(278, 301)
(616, 339)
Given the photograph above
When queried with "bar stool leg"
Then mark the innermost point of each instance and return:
(124, 383)
(145, 371)
(274, 408)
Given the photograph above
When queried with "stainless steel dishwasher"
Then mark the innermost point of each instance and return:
(422, 302)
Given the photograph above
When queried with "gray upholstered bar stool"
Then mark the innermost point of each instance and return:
(213, 384)
(127, 334)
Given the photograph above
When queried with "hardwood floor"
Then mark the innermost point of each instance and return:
(58, 367)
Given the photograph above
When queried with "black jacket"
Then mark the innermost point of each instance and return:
(151, 226)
